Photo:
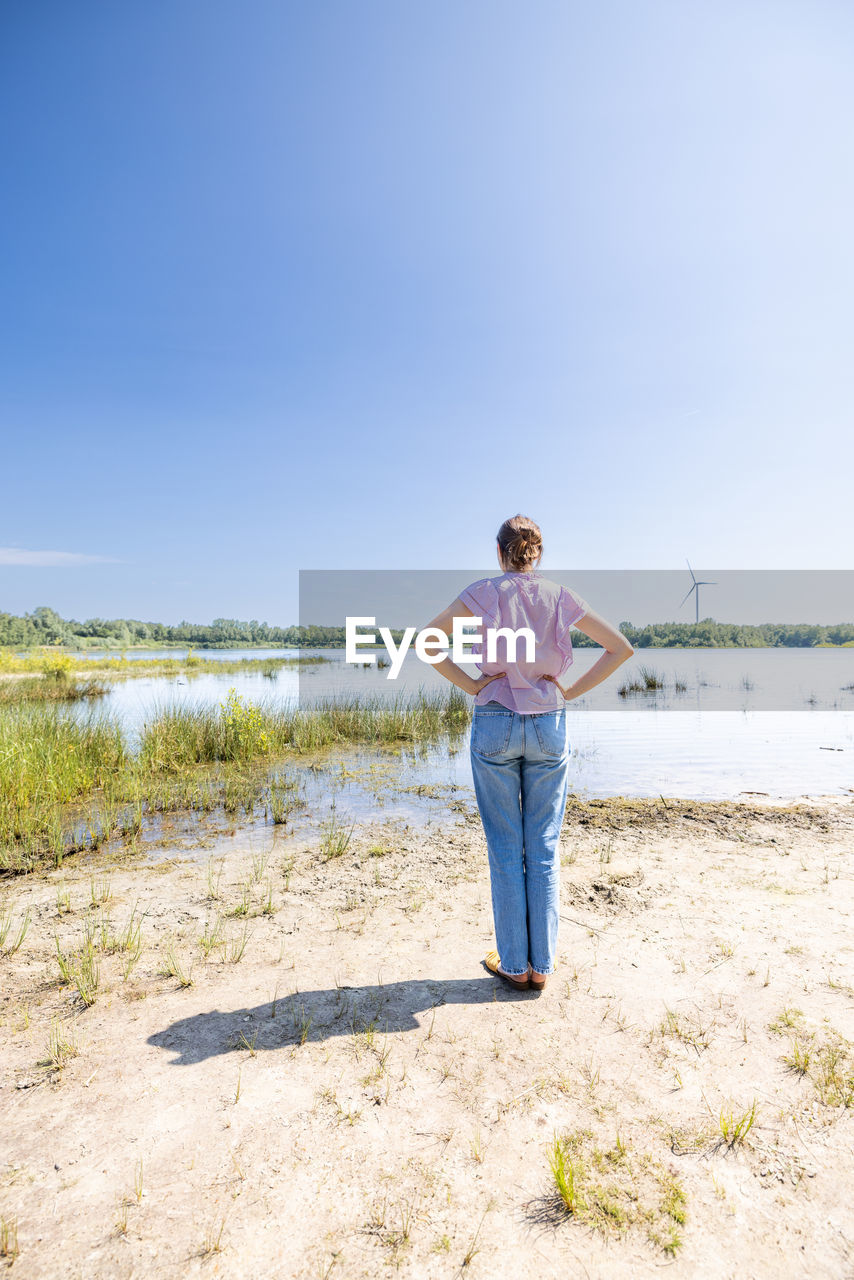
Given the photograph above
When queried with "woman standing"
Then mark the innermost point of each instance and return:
(519, 747)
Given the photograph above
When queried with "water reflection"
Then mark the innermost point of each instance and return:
(774, 721)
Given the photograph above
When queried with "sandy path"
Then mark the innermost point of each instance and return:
(355, 1095)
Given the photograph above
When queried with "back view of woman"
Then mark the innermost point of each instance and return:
(519, 746)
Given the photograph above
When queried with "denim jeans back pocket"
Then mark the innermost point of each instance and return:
(490, 732)
(550, 728)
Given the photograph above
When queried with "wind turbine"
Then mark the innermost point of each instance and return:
(695, 586)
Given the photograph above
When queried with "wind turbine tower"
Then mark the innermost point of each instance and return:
(695, 587)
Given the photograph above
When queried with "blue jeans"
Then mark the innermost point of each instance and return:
(520, 765)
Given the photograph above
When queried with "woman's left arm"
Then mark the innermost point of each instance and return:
(617, 650)
(444, 622)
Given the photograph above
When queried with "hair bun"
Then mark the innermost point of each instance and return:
(521, 543)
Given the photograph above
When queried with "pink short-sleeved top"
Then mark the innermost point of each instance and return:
(518, 600)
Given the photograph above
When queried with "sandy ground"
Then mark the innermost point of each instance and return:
(354, 1096)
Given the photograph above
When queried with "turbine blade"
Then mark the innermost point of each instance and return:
(681, 602)
(690, 570)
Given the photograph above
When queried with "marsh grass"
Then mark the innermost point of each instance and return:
(614, 1190)
(69, 781)
(647, 680)
(48, 760)
(37, 689)
(335, 837)
(55, 666)
(182, 735)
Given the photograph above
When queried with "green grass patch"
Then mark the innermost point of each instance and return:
(615, 1190)
(38, 689)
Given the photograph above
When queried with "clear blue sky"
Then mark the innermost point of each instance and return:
(291, 285)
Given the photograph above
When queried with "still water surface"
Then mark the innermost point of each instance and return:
(773, 721)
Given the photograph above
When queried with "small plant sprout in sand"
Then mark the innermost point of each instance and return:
(335, 837)
(214, 877)
(130, 938)
(302, 1023)
(82, 971)
(472, 1251)
(393, 1224)
(243, 907)
(212, 937)
(236, 947)
(174, 967)
(259, 866)
(9, 1239)
(12, 935)
(799, 1058)
(121, 1218)
(736, 1125)
(62, 1047)
(213, 1239)
(100, 892)
(567, 1176)
(787, 1020)
(244, 1042)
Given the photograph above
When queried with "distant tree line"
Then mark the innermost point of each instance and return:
(709, 634)
(45, 627)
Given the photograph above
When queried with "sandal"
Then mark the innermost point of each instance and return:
(491, 962)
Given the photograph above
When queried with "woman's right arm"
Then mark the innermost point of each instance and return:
(617, 650)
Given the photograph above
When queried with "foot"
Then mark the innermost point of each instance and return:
(518, 980)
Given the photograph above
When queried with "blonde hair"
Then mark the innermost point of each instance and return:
(521, 543)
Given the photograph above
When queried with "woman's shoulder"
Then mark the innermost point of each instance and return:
(482, 598)
(487, 585)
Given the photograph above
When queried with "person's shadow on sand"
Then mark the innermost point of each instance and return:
(318, 1015)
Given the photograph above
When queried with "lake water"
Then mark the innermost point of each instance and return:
(773, 721)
